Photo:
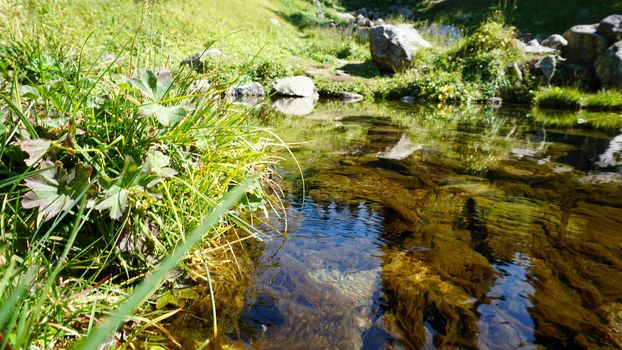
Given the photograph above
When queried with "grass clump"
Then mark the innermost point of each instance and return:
(558, 98)
(604, 100)
(104, 172)
(574, 99)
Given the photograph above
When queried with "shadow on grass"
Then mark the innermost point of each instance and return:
(367, 69)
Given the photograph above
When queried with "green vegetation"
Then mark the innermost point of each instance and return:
(573, 99)
(104, 172)
(529, 16)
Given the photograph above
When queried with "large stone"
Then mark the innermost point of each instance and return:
(584, 45)
(611, 28)
(250, 89)
(298, 86)
(546, 66)
(248, 94)
(393, 47)
(533, 47)
(555, 41)
(609, 67)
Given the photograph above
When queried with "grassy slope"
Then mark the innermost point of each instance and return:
(534, 16)
(177, 28)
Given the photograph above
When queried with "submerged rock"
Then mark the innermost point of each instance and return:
(298, 86)
(393, 47)
(609, 67)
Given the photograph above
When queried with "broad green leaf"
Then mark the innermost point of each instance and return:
(165, 115)
(115, 200)
(117, 191)
(36, 149)
(30, 92)
(154, 87)
(157, 162)
(56, 190)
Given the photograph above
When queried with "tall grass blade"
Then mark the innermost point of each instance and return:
(144, 290)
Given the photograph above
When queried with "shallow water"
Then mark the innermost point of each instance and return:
(443, 228)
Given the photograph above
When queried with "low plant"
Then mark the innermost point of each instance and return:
(574, 99)
(558, 98)
(101, 176)
(604, 100)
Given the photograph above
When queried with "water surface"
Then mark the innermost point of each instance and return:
(425, 228)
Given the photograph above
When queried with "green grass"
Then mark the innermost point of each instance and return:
(604, 100)
(573, 99)
(557, 98)
(104, 171)
(529, 16)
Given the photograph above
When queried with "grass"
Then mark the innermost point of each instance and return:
(573, 99)
(557, 98)
(104, 171)
(529, 16)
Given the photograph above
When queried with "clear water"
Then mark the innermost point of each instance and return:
(443, 228)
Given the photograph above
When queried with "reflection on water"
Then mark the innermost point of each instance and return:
(443, 229)
(504, 316)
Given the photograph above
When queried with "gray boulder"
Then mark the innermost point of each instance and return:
(248, 94)
(584, 45)
(611, 28)
(298, 86)
(547, 66)
(609, 67)
(250, 89)
(533, 47)
(555, 41)
(393, 47)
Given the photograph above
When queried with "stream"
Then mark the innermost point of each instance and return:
(426, 228)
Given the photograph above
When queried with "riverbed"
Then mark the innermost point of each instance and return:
(442, 227)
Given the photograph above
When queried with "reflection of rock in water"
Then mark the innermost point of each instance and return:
(401, 150)
(295, 105)
(613, 154)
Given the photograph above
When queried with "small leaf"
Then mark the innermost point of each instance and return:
(154, 87)
(165, 115)
(117, 191)
(55, 190)
(116, 201)
(36, 149)
(157, 162)
(30, 92)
